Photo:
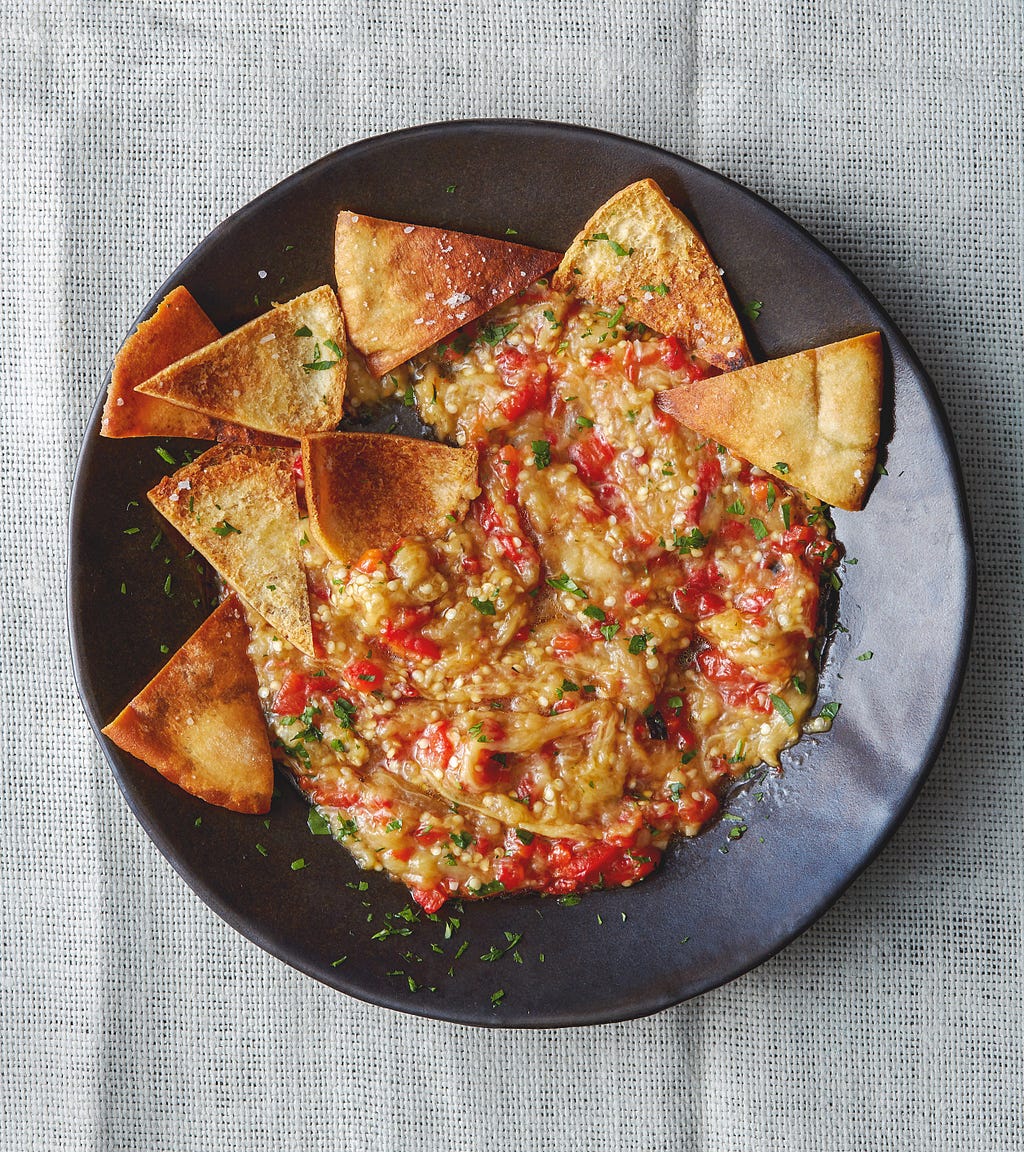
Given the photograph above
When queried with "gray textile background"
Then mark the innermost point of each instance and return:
(131, 1016)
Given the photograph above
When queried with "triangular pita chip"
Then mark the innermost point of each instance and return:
(237, 507)
(199, 723)
(178, 327)
(638, 249)
(368, 490)
(283, 372)
(404, 287)
(811, 418)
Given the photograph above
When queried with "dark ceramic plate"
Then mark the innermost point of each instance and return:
(718, 906)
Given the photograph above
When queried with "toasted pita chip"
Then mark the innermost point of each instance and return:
(811, 418)
(405, 287)
(238, 434)
(198, 722)
(237, 506)
(178, 327)
(282, 373)
(638, 249)
(368, 491)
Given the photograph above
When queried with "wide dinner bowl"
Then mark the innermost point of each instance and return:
(718, 906)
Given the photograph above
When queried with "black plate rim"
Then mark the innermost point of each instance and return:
(473, 1016)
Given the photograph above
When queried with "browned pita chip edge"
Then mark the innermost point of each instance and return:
(404, 287)
(177, 328)
(199, 723)
(641, 251)
(238, 507)
(811, 418)
(367, 490)
(282, 373)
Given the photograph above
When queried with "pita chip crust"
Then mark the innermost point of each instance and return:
(237, 507)
(367, 490)
(404, 287)
(177, 328)
(640, 250)
(282, 373)
(199, 723)
(811, 418)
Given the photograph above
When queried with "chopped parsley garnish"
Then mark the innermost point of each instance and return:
(511, 232)
(823, 512)
(317, 824)
(132, 531)
(584, 422)
(497, 997)
(753, 309)
(523, 836)
(785, 515)
(566, 583)
(594, 612)
(391, 930)
(866, 656)
(393, 825)
(770, 499)
(662, 289)
(615, 246)
(686, 542)
(303, 331)
(225, 529)
(409, 397)
(638, 644)
(298, 865)
(609, 630)
(782, 708)
(484, 607)
(831, 710)
(477, 730)
(782, 467)
(451, 188)
(318, 363)
(759, 529)
(344, 711)
(462, 839)
(549, 316)
(799, 685)
(165, 455)
(541, 453)
(569, 901)
(736, 508)
(616, 316)
(167, 586)
(261, 850)
(494, 333)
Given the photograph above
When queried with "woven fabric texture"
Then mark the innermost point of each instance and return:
(131, 1017)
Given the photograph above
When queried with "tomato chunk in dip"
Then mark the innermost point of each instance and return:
(543, 697)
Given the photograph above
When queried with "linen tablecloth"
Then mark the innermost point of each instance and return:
(131, 1016)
